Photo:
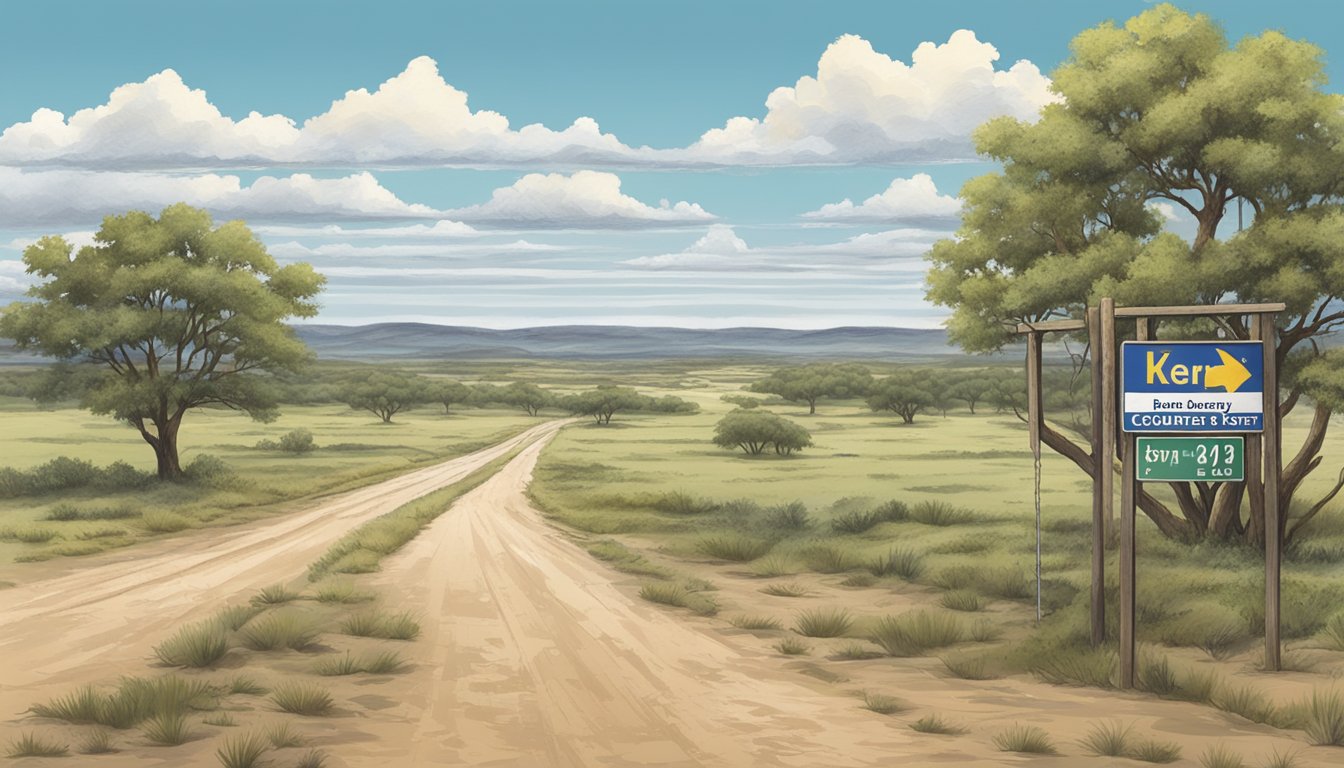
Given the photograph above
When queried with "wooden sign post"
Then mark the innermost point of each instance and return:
(1220, 413)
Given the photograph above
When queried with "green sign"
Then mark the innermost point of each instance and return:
(1190, 459)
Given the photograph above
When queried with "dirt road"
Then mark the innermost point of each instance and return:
(61, 632)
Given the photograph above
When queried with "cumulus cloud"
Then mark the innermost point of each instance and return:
(906, 201)
(862, 106)
(40, 198)
(721, 248)
(584, 200)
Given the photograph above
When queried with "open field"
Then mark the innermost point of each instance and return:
(869, 597)
(353, 448)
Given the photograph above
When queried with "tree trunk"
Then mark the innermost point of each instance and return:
(165, 449)
(812, 406)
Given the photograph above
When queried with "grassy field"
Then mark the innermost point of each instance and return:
(941, 509)
(353, 448)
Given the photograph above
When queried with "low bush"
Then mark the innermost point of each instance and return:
(276, 631)
(856, 521)
(788, 517)
(940, 513)
(899, 561)
(961, 600)
(828, 558)
(197, 645)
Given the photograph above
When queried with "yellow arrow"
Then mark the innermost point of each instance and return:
(1230, 375)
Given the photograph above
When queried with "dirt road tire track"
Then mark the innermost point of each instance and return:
(101, 620)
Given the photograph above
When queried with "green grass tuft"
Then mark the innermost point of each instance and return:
(940, 513)
(1219, 756)
(342, 592)
(341, 665)
(275, 631)
(822, 622)
(828, 558)
(856, 521)
(246, 686)
(282, 735)
(1027, 739)
(313, 758)
(196, 645)
(1332, 634)
(935, 723)
(961, 600)
(786, 590)
(755, 623)
(1108, 740)
(98, 742)
(733, 547)
(165, 521)
(856, 652)
(167, 729)
(792, 646)
(664, 594)
(302, 699)
(1325, 719)
(1150, 751)
(899, 561)
(882, 704)
(384, 663)
(32, 745)
(84, 706)
(401, 626)
(1277, 759)
(1094, 667)
(773, 565)
(911, 634)
(859, 580)
(242, 751)
(220, 719)
(1245, 701)
(967, 667)
(235, 616)
(275, 594)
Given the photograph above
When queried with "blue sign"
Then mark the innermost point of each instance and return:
(1192, 386)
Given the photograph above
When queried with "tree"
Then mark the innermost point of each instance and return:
(741, 401)
(529, 397)
(669, 404)
(755, 431)
(904, 392)
(448, 393)
(172, 314)
(809, 383)
(386, 393)
(605, 401)
(971, 389)
(1162, 114)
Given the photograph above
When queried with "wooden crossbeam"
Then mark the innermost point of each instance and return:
(1208, 310)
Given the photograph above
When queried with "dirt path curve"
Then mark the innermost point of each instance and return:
(89, 624)
(531, 658)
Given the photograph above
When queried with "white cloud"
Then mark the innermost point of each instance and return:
(899, 250)
(37, 198)
(863, 106)
(584, 200)
(437, 230)
(392, 250)
(912, 200)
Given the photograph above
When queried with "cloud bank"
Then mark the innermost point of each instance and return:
(583, 200)
(906, 201)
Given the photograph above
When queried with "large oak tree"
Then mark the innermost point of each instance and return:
(172, 313)
(1161, 113)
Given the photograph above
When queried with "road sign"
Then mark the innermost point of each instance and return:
(1193, 386)
(1190, 459)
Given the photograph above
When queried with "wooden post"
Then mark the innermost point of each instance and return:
(1272, 472)
(1098, 484)
(1035, 416)
(1105, 462)
(1128, 489)
(1255, 467)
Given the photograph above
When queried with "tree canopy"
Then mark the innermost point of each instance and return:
(170, 314)
(904, 392)
(1162, 116)
(810, 383)
(755, 431)
(387, 393)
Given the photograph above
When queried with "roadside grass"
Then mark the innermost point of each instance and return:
(257, 484)
(755, 623)
(302, 699)
(1026, 739)
(680, 596)
(195, 645)
(823, 622)
(793, 589)
(279, 630)
(934, 723)
(916, 632)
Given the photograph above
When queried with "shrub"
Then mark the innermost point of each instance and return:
(246, 686)
(824, 622)
(197, 645)
(302, 699)
(900, 561)
(209, 471)
(757, 432)
(856, 652)
(893, 511)
(401, 626)
(297, 441)
(734, 547)
(1026, 739)
(1245, 701)
(1156, 677)
(790, 517)
(911, 634)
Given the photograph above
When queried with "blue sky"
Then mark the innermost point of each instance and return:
(635, 200)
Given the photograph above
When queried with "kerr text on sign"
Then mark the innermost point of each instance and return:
(1198, 386)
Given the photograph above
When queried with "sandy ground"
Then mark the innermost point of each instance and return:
(535, 655)
(90, 624)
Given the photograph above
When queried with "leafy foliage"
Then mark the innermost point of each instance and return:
(756, 431)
